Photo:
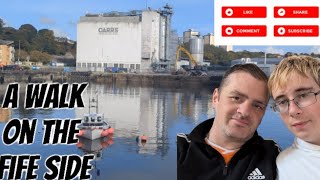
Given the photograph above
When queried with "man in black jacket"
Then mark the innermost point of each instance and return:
(228, 146)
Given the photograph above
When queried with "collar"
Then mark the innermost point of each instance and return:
(199, 133)
(301, 144)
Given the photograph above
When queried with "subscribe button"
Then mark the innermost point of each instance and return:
(244, 12)
(296, 12)
(296, 31)
(244, 31)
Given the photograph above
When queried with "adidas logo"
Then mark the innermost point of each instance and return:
(256, 174)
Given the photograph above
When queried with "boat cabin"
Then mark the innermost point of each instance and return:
(93, 120)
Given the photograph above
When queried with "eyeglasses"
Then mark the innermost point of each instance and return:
(301, 100)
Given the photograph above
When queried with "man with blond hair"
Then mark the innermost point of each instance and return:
(295, 88)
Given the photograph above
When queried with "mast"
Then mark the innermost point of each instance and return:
(97, 103)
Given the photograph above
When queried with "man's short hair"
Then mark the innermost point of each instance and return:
(303, 65)
(250, 68)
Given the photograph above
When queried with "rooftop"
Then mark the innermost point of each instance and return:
(5, 42)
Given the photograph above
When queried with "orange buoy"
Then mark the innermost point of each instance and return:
(110, 130)
(143, 138)
(104, 133)
(81, 133)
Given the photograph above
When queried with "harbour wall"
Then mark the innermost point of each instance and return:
(156, 80)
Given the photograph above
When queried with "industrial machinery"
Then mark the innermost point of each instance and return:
(194, 69)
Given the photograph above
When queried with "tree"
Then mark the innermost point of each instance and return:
(23, 55)
(37, 56)
(1, 27)
(28, 31)
(44, 41)
(9, 33)
(33, 40)
(232, 55)
(288, 54)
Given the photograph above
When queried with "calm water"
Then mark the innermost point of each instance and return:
(155, 112)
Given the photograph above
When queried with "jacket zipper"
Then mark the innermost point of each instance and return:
(225, 170)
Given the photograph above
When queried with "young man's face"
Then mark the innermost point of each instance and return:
(303, 122)
(240, 106)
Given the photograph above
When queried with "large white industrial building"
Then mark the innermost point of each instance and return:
(140, 41)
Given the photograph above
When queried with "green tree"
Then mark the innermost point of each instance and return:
(44, 41)
(33, 40)
(9, 33)
(232, 55)
(28, 31)
(37, 56)
(1, 27)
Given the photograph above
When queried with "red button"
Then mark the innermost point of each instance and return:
(244, 31)
(296, 12)
(244, 12)
(296, 31)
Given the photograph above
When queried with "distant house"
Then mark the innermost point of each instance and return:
(66, 60)
(6, 52)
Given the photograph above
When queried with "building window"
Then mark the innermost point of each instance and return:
(131, 66)
(84, 65)
(78, 64)
(105, 65)
(137, 66)
(121, 65)
(89, 65)
(99, 65)
(116, 65)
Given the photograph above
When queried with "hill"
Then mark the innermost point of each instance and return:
(36, 45)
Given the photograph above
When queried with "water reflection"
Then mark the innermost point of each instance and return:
(96, 148)
(134, 111)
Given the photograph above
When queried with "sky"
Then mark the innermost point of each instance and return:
(62, 16)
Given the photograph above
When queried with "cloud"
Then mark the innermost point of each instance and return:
(315, 49)
(273, 50)
(46, 20)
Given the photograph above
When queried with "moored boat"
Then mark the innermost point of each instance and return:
(94, 125)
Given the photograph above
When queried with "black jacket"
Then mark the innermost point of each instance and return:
(198, 161)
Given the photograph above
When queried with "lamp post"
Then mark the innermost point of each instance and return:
(19, 53)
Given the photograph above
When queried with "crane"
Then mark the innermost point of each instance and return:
(193, 62)
(194, 69)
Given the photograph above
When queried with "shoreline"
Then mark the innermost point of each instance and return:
(151, 80)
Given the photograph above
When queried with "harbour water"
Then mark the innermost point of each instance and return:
(158, 113)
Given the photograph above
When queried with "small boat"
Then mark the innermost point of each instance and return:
(94, 125)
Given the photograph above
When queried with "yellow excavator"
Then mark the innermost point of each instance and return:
(194, 69)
